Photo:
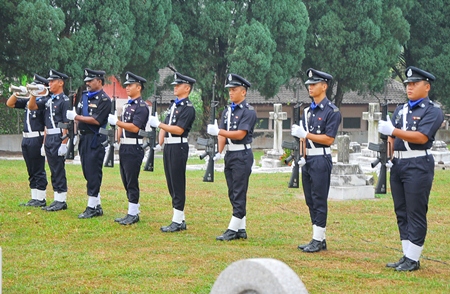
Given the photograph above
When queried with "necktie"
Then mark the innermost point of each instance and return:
(412, 104)
(313, 105)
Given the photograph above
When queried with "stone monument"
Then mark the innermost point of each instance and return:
(347, 179)
(271, 157)
(372, 116)
(258, 276)
(440, 152)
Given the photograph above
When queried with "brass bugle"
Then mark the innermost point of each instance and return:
(36, 89)
(19, 91)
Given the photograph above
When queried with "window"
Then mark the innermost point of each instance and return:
(286, 125)
(352, 123)
(262, 123)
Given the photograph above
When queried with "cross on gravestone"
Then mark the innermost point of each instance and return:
(277, 116)
(372, 116)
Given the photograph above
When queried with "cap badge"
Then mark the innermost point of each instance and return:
(50, 73)
(127, 77)
(175, 76)
(310, 74)
(409, 73)
(85, 72)
(230, 78)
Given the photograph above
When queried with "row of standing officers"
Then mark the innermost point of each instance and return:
(411, 133)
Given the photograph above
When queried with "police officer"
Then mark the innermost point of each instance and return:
(235, 134)
(173, 134)
(318, 129)
(33, 138)
(134, 118)
(412, 131)
(55, 148)
(91, 115)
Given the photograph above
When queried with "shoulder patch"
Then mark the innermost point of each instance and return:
(66, 98)
(142, 103)
(335, 108)
(435, 104)
(249, 107)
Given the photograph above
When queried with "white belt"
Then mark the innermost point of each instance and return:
(54, 131)
(175, 140)
(130, 141)
(238, 147)
(318, 151)
(411, 153)
(31, 134)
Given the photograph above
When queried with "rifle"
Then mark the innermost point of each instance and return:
(149, 164)
(296, 148)
(70, 127)
(210, 144)
(108, 161)
(382, 149)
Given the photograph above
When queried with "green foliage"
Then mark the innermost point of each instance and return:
(357, 43)
(428, 47)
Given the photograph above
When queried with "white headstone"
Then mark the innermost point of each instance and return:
(258, 275)
(277, 116)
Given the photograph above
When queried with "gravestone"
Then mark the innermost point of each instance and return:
(271, 157)
(258, 276)
(440, 152)
(347, 179)
(373, 115)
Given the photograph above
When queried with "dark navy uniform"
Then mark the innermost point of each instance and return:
(413, 167)
(55, 112)
(321, 119)
(98, 106)
(33, 137)
(176, 152)
(238, 158)
(131, 153)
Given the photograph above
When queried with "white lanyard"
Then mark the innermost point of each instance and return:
(228, 124)
(172, 109)
(28, 120)
(305, 114)
(123, 117)
(51, 113)
(405, 113)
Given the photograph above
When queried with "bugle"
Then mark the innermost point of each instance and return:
(37, 89)
(19, 91)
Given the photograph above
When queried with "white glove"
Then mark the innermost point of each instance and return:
(157, 148)
(75, 140)
(218, 156)
(112, 119)
(70, 114)
(213, 130)
(116, 146)
(386, 127)
(389, 164)
(153, 121)
(42, 150)
(298, 131)
(62, 150)
(301, 162)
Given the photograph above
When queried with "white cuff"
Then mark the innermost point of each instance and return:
(133, 209)
(414, 251)
(235, 223)
(318, 233)
(177, 216)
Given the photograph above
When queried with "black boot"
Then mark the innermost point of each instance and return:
(242, 234)
(408, 265)
(35, 203)
(129, 219)
(92, 212)
(303, 246)
(56, 206)
(228, 235)
(395, 264)
(314, 246)
(174, 227)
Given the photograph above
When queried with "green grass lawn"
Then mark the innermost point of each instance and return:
(46, 252)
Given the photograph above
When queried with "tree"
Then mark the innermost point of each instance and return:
(428, 47)
(70, 35)
(260, 40)
(356, 41)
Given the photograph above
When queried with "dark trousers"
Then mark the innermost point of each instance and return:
(56, 163)
(175, 158)
(411, 181)
(238, 168)
(130, 166)
(92, 154)
(31, 151)
(316, 177)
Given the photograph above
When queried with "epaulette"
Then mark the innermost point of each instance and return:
(249, 107)
(66, 98)
(189, 103)
(435, 104)
(335, 108)
(142, 103)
